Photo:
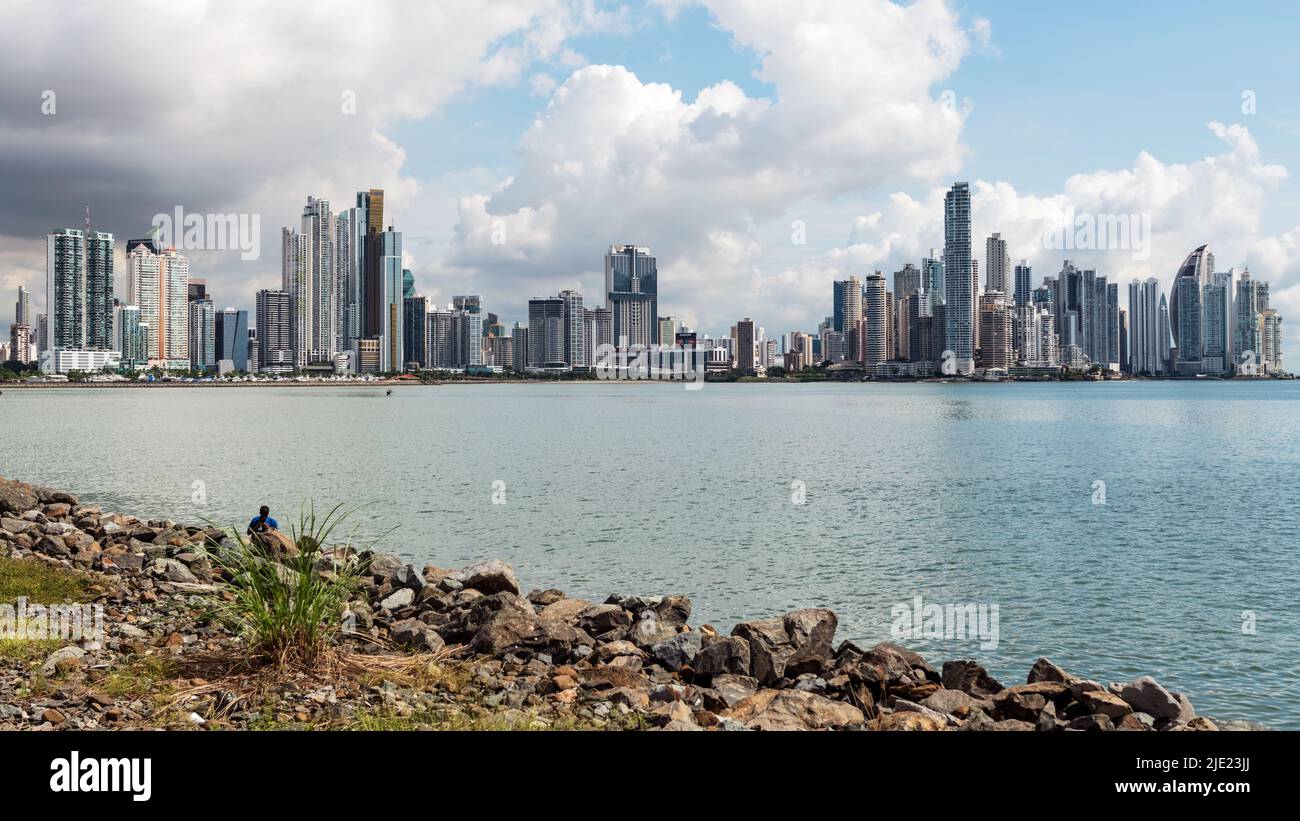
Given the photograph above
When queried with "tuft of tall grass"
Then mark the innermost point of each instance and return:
(289, 612)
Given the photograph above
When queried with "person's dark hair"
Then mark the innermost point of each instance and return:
(264, 512)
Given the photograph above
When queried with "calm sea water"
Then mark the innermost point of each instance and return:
(961, 494)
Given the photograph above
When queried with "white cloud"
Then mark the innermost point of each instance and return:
(616, 159)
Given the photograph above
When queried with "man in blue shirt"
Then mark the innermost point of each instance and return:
(262, 522)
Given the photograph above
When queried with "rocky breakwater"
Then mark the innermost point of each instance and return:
(625, 661)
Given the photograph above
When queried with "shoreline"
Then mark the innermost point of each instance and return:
(391, 383)
(468, 649)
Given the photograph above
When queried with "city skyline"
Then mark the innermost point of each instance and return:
(472, 151)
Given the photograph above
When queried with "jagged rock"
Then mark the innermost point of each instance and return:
(1201, 723)
(565, 610)
(969, 677)
(1025, 702)
(1136, 721)
(650, 631)
(491, 576)
(723, 654)
(1044, 670)
(673, 609)
(784, 642)
(601, 618)
(793, 710)
(172, 570)
(1145, 695)
(398, 599)
(954, 702)
(277, 544)
(732, 689)
(1096, 722)
(415, 633)
(912, 722)
(545, 598)
(1104, 703)
(384, 567)
(17, 497)
(677, 652)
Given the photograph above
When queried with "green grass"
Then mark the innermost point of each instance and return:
(27, 650)
(41, 583)
(290, 614)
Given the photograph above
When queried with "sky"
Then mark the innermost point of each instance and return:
(761, 150)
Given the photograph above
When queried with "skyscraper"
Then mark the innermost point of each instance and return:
(318, 230)
(415, 331)
(202, 336)
(847, 304)
(23, 307)
(231, 331)
(99, 291)
(959, 314)
(1248, 345)
(932, 277)
(274, 332)
(997, 265)
(546, 333)
(1216, 327)
(632, 288)
(874, 336)
(995, 330)
(144, 288)
(745, 346)
(296, 281)
(65, 290)
(349, 255)
(1144, 327)
(1024, 276)
(469, 339)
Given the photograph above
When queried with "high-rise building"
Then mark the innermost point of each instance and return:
(415, 331)
(144, 289)
(997, 265)
(546, 333)
(874, 333)
(65, 290)
(632, 287)
(99, 291)
(1024, 276)
(959, 282)
(519, 348)
(995, 330)
(131, 337)
(745, 341)
(667, 330)
(275, 352)
(932, 277)
(383, 294)
(350, 227)
(1144, 346)
(203, 338)
(1248, 345)
(174, 310)
(847, 304)
(1216, 325)
(196, 289)
(598, 330)
(1271, 337)
(469, 336)
(1185, 318)
(23, 307)
(20, 344)
(557, 329)
(296, 281)
(318, 230)
(231, 331)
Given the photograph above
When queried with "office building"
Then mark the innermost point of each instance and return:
(632, 288)
(959, 279)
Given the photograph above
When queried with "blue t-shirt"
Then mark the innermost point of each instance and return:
(271, 523)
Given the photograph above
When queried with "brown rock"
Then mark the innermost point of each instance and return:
(793, 710)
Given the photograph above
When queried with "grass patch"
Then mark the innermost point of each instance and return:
(290, 614)
(42, 583)
(27, 650)
(146, 676)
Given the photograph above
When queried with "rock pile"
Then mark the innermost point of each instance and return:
(628, 660)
